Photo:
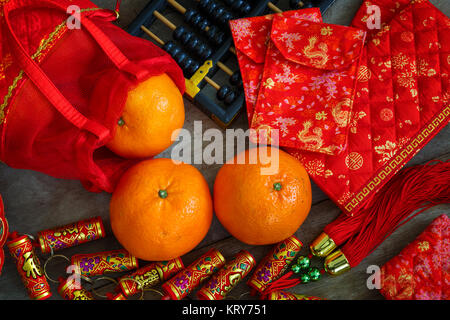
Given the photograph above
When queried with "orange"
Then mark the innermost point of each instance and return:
(153, 111)
(258, 207)
(160, 209)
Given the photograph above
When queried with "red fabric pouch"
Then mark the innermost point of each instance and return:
(250, 37)
(308, 84)
(421, 271)
(64, 89)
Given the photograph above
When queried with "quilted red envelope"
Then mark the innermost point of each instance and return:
(308, 84)
(250, 37)
(422, 270)
(401, 102)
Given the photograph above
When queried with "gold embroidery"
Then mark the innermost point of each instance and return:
(386, 151)
(396, 162)
(326, 31)
(315, 167)
(341, 117)
(354, 123)
(423, 246)
(322, 115)
(354, 161)
(315, 138)
(319, 57)
(269, 83)
(364, 74)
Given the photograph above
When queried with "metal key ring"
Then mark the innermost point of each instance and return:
(243, 294)
(139, 285)
(100, 279)
(48, 260)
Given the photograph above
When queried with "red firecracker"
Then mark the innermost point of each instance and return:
(70, 290)
(149, 276)
(110, 261)
(274, 264)
(228, 277)
(71, 235)
(188, 279)
(29, 267)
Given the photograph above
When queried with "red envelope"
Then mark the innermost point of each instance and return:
(421, 271)
(308, 84)
(401, 102)
(250, 37)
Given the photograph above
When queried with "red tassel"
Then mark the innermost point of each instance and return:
(282, 283)
(418, 187)
(345, 226)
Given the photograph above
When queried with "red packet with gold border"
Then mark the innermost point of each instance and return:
(308, 84)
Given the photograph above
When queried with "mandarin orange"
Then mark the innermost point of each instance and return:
(160, 209)
(153, 111)
(261, 207)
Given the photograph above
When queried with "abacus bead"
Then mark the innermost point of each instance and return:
(230, 97)
(212, 31)
(203, 51)
(236, 79)
(203, 24)
(168, 46)
(187, 37)
(207, 53)
(186, 63)
(237, 4)
(175, 51)
(180, 57)
(246, 9)
(223, 92)
(192, 68)
(225, 18)
(211, 7)
(190, 14)
(219, 38)
(196, 19)
(193, 44)
(217, 12)
(179, 32)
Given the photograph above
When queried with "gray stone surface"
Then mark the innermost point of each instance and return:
(35, 201)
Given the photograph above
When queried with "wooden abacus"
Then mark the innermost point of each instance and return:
(201, 42)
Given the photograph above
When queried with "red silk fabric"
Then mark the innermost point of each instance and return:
(401, 100)
(421, 271)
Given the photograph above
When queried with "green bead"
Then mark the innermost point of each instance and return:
(121, 122)
(277, 186)
(314, 274)
(305, 278)
(162, 194)
(296, 268)
(303, 262)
